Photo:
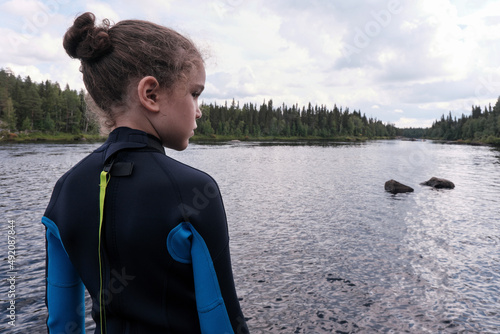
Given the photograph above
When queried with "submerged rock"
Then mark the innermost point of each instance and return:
(395, 187)
(438, 183)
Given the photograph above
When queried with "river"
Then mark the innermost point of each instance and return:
(317, 245)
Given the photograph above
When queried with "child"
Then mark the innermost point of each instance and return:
(146, 235)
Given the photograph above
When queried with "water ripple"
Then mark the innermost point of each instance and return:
(317, 245)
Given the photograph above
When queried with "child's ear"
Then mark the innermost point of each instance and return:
(148, 89)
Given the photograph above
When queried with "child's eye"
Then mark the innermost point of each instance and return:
(196, 94)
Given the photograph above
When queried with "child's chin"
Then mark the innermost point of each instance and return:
(182, 146)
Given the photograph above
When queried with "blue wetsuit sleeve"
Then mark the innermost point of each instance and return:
(186, 245)
(64, 288)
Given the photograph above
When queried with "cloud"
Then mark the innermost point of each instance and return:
(102, 10)
(28, 50)
(24, 8)
(404, 122)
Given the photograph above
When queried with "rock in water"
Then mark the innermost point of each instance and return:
(438, 183)
(395, 187)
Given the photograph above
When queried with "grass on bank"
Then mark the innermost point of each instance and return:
(222, 138)
(38, 136)
(490, 141)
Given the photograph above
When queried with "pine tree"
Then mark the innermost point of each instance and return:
(10, 115)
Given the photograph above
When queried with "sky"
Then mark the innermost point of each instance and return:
(403, 62)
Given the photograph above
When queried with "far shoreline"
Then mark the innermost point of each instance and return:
(65, 138)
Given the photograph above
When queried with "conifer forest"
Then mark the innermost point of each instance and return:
(27, 106)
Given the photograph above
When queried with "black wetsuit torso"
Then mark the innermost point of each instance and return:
(144, 289)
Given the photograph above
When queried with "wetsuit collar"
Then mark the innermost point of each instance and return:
(124, 138)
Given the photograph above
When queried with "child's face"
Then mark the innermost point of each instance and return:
(179, 111)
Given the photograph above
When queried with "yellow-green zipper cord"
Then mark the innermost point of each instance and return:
(102, 194)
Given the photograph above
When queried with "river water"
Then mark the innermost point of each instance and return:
(317, 245)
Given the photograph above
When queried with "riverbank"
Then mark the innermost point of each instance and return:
(38, 136)
(490, 141)
(61, 137)
(220, 138)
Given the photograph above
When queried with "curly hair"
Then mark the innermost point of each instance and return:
(112, 56)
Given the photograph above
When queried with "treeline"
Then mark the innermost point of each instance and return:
(26, 105)
(45, 107)
(266, 120)
(482, 125)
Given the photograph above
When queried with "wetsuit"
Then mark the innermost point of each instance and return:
(154, 207)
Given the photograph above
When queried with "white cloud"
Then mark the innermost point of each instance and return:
(102, 10)
(404, 122)
(27, 70)
(23, 8)
(30, 50)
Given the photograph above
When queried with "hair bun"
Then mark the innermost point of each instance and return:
(85, 41)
